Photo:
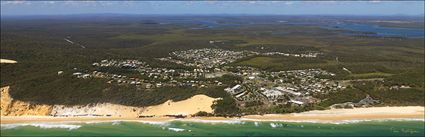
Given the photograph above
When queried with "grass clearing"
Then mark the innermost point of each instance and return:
(370, 75)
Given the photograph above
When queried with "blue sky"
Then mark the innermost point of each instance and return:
(214, 7)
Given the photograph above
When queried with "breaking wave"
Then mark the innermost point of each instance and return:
(116, 122)
(256, 124)
(276, 125)
(177, 129)
(234, 121)
(335, 122)
(41, 125)
(161, 123)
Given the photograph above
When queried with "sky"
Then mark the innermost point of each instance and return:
(214, 7)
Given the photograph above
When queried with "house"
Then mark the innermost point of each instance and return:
(86, 76)
(272, 93)
(60, 72)
(77, 74)
(235, 87)
(368, 101)
(296, 102)
(234, 90)
(148, 85)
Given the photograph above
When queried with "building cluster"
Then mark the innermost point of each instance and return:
(145, 76)
(213, 58)
(366, 102)
(206, 58)
(306, 55)
(125, 64)
(294, 86)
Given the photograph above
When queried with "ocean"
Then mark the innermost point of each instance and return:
(218, 128)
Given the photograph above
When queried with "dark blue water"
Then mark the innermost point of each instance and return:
(381, 31)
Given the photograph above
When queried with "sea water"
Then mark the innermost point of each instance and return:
(218, 128)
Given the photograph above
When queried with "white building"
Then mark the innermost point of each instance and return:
(296, 102)
(272, 93)
(233, 90)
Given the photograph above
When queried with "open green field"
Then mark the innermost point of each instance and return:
(370, 75)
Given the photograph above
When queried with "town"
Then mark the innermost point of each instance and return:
(270, 88)
(213, 58)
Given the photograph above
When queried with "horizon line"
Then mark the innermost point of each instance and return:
(214, 14)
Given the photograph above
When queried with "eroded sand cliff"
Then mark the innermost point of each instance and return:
(11, 107)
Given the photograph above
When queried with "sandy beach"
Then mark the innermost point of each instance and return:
(335, 115)
(325, 116)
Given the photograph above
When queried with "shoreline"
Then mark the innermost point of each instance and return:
(323, 116)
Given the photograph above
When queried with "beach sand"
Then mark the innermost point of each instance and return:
(185, 107)
(325, 116)
(335, 115)
(188, 106)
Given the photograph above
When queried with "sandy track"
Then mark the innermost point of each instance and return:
(7, 61)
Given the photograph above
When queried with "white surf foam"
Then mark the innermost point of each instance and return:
(231, 121)
(116, 122)
(334, 122)
(176, 129)
(161, 123)
(41, 125)
(256, 124)
(71, 125)
(276, 125)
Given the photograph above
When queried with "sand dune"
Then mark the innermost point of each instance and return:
(186, 107)
(7, 61)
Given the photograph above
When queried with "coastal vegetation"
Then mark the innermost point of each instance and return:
(41, 51)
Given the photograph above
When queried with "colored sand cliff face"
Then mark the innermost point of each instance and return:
(11, 107)
(185, 107)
